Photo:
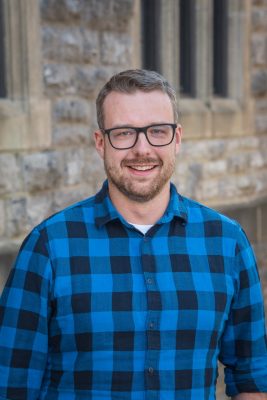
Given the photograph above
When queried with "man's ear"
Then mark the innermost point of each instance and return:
(99, 142)
(178, 137)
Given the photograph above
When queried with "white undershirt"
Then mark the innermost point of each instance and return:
(142, 228)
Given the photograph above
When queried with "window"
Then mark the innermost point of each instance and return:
(151, 34)
(187, 47)
(24, 113)
(202, 47)
(220, 46)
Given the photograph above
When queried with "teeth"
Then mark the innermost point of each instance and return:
(142, 167)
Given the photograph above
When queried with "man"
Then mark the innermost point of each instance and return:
(136, 292)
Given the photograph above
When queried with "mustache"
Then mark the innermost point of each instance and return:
(141, 161)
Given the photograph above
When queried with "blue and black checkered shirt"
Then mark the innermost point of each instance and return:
(94, 309)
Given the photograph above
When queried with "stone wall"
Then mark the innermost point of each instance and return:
(83, 43)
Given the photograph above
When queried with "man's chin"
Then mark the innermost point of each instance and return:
(140, 195)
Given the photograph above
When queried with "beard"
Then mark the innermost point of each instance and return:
(139, 190)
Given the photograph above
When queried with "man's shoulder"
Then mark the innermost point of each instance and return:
(79, 212)
(199, 212)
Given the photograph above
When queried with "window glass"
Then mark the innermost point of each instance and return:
(187, 47)
(220, 45)
(151, 34)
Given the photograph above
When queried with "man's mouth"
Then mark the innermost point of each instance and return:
(142, 167)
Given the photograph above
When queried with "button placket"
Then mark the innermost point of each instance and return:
(152, 351)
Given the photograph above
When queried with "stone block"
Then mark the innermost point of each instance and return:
(256, 160)
(179, 177)
(261, 3)
(261, 105)
(91, 46)
(61, 10)
(207, 191)
(259, 49)
(259, 18)
(261, 123)
(67, 196)
(62, 44)
(247, 185)
(227, 190)
(259, 82)
(115, 49)
(215, 168)
(59, 77)
(203, 149)
(108, 14)
(194, 177)
(2, 218)
(10, 179)
(260, 178)
(242, 144)
(73, 166)
(214, 149)
(264, 224)
(263, 153)
(238, 163)
(6, 262)
(94, 173)
(72, 110)
(16, 216)
(88, 81)
(38, 207)
(42, 171)
(74, 134)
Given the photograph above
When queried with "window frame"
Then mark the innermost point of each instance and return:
(206, 114)
(25, 116)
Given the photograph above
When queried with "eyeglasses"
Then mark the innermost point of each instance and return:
(125, 137)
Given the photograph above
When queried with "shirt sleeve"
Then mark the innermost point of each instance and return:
(24, 314)
(243, 348)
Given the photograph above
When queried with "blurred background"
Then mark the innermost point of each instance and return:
(55, 55)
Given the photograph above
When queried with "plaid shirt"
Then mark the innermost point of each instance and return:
(94, 309)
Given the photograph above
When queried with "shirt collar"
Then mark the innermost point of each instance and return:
(106, 212)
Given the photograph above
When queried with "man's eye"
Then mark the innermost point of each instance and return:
(158, 131)
(122, 134)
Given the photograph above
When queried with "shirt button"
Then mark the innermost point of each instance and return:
(149, 281)
(150, 370)
(151, 325)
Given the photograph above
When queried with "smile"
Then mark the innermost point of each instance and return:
(142, 167)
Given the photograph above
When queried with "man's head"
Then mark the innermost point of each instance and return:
(129, 82)
(139, 136)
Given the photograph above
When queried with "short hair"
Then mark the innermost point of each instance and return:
(130, 81)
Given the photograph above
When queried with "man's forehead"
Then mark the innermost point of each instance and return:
(116, 96)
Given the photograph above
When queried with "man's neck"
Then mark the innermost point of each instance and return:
(145, 213)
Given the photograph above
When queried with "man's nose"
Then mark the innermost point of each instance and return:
(142, 145)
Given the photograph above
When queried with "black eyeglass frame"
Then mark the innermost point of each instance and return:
(138, 130)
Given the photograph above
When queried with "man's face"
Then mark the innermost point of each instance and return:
(143, 171)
